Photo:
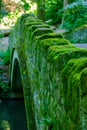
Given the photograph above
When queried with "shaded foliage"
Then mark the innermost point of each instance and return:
(52, 8)
(74, 12)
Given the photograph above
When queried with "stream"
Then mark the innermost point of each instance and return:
(12, 114)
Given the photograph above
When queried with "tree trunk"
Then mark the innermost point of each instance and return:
(0, 9)
(41, 9)
(68, 2)
(65, 3)
(0, 5)
(71, 1)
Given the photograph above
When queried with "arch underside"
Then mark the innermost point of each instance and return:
(19, 87)
(16, 82)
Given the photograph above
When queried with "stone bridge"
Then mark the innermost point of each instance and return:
(51, 73)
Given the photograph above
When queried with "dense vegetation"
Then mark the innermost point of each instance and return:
(46, 10)
(74, 15)
(52, 9)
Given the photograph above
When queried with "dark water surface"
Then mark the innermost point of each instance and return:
(12, 114)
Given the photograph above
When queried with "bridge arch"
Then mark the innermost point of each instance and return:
(18, 86)
(16, 83)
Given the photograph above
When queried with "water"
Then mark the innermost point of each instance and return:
(12, 114)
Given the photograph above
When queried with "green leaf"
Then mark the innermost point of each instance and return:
(26, 6)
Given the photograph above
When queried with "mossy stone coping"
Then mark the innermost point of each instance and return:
(56, 72)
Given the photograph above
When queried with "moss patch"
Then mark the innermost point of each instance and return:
(72, 85)
(41, 31)
(49, 35)
(54, 41)
(63, 55)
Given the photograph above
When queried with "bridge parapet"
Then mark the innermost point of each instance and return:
(52, 71)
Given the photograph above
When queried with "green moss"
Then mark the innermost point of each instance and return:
(64, 55)
(29, 24)
(83, 98)
(75, 89)
(41, 31)
(26, 18)
(32, 23)
(80, 28)
(58, 35)
(83, 79)
(65, 73)
(29, 21)
(54, 41)
(73, 81)
(33, 26)
(54, 51)
(50, 35)
(23, 18)
(36, 26)
(73, 67)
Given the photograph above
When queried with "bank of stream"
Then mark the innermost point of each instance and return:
(12, 114)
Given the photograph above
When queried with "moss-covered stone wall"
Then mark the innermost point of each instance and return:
(54, 76)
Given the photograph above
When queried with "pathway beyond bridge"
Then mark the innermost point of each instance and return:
(81, 45)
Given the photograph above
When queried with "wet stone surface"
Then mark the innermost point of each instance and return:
(12, 114)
